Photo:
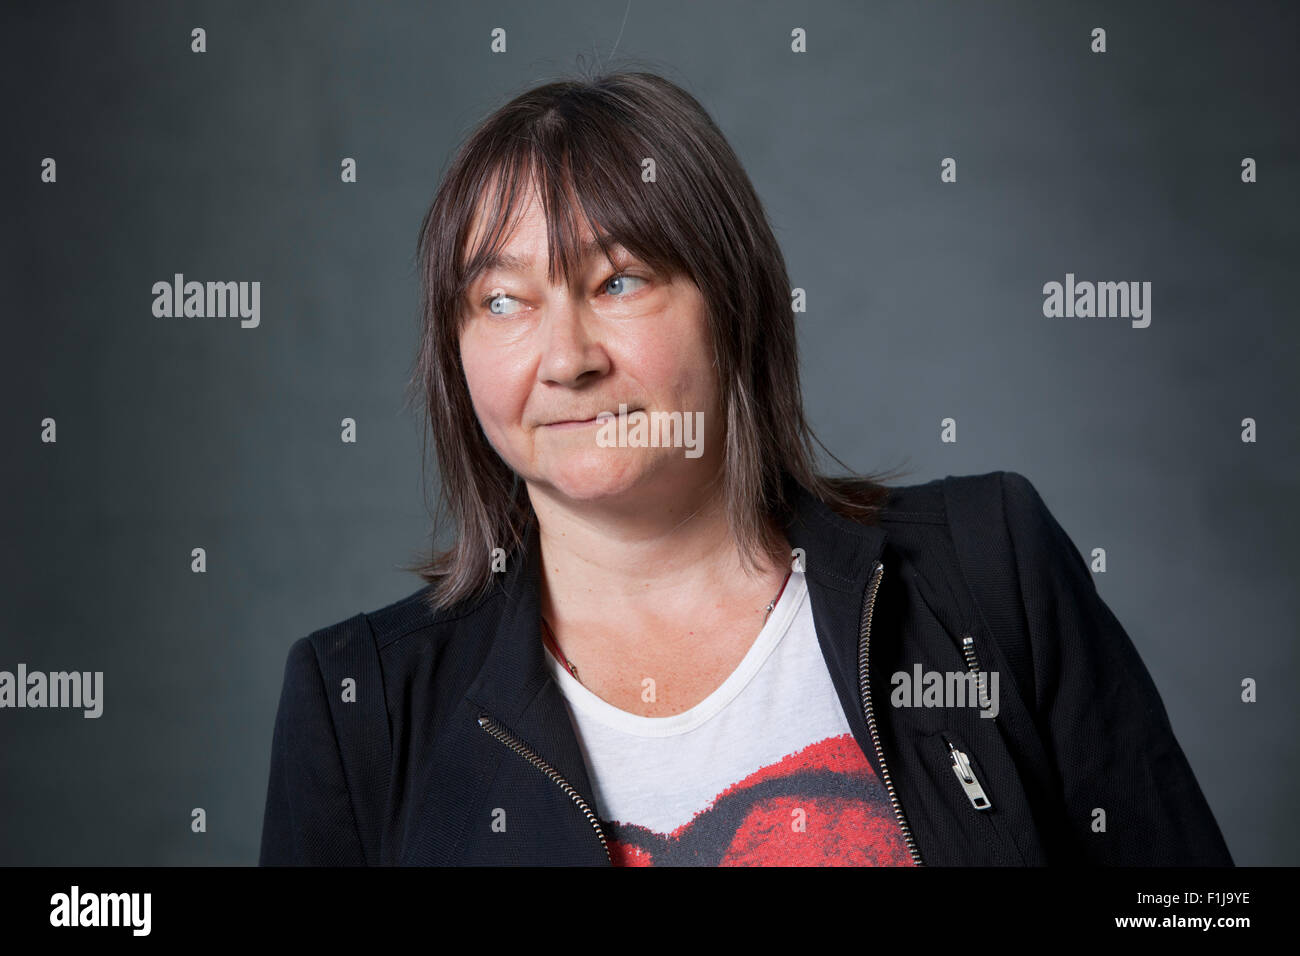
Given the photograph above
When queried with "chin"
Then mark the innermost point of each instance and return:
(598, 474)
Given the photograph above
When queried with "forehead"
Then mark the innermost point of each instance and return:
(523, 244)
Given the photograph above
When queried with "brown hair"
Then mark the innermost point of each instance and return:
(582, 142)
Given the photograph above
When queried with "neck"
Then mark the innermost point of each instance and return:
(654, 560)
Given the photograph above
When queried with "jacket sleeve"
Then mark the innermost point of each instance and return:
(309, 819)
(1101, 716)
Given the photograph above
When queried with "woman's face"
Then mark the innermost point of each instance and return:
(538, 355)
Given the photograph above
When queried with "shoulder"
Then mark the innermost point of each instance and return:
(993, 520)
(912, 509)
(393, 629)
(1005, 497)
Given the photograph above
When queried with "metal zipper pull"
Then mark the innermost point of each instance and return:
(966, 777)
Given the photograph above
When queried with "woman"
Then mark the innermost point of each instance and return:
(660, 636)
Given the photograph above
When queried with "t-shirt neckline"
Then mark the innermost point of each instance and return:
(774, 628)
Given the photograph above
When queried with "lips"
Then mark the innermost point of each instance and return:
(584, 421)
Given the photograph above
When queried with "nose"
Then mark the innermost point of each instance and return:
(572, 353)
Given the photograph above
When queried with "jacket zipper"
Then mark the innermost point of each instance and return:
(864, 689)
(973, 665)
(960, 761)
(493, 727)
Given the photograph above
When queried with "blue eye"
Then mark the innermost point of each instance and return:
(494, 297)
(623, 278)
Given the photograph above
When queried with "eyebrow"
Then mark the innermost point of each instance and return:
(507, 262)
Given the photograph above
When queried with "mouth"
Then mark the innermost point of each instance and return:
(584, 422)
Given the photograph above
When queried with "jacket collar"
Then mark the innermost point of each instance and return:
(516, 687)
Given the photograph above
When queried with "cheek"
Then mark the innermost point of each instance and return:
(690, 373)
(675, 358)
(497, 388)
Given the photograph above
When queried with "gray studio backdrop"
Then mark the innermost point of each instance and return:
(925, 302)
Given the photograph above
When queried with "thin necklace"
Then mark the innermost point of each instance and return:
(548, 636)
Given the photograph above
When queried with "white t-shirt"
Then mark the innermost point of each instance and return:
(764, 771)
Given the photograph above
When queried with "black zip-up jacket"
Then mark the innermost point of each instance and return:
(402, 735)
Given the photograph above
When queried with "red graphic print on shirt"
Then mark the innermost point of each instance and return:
(847, 818)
